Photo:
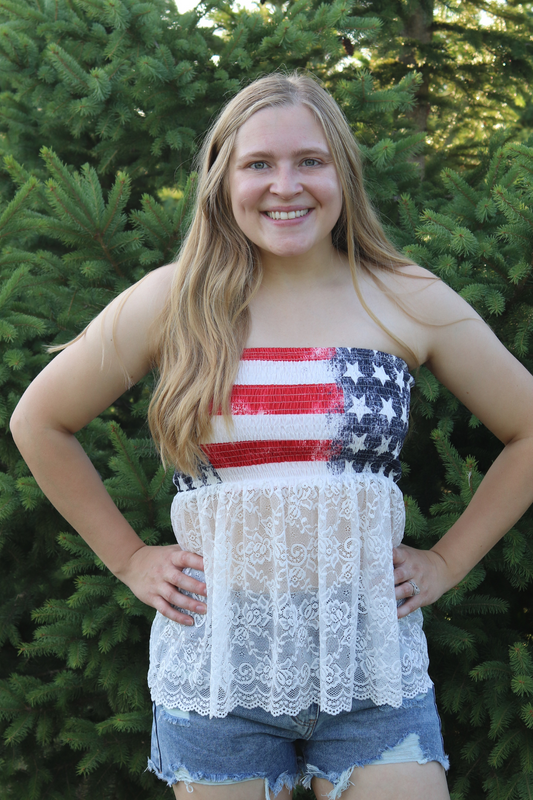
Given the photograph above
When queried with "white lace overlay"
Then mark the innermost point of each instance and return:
(301, 605)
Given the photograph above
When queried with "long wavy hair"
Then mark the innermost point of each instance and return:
(203, 327)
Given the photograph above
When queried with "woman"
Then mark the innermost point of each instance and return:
(289, 631)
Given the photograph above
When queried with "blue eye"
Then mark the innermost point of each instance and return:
(258, 165)
(310, 162)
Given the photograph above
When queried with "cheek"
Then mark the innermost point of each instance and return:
(246, 196)
(243, 201)
(336, 189)
(338, 201)
(329, 194)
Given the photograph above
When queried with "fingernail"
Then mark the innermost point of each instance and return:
(201, 608)
(189, 622)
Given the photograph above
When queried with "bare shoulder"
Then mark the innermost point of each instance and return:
(96, 368)
(152, 291)
(142, 302)
(125, 327)
(428, 297)
(464, 353)
(419, 308)
(451, 330)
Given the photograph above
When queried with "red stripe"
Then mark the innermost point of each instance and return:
(287, 353)
(244, 454)
(308, 398)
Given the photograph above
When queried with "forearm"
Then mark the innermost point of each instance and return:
(69, 480)
(67, 477)
(422, 576)
(501, 499)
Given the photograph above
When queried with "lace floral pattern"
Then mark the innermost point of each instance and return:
(301, 602)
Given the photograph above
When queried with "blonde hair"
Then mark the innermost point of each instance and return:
(203, 327)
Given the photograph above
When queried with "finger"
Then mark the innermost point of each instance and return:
(398, 555)
(184, 558)
(408, 607)
(187, 583)
(184, 601)
(167, 610)
(402, 574)
(403, 590)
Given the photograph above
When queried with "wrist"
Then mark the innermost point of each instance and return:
(123, 565)
(450, 574)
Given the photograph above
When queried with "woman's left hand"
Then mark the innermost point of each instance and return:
(420, 577)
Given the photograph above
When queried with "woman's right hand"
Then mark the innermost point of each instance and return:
(155, 575)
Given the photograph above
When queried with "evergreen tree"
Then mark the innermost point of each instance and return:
(103, 105)
(475, 59)
(479, 238)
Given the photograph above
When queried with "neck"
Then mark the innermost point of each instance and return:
(306, 270)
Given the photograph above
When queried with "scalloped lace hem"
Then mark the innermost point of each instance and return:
(291, 707)
(301, 604)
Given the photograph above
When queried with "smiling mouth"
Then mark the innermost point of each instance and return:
(287, 214)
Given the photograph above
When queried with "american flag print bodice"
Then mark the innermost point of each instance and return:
(296, 514)
(310, 410)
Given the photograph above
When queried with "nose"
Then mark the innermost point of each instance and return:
(286, 182)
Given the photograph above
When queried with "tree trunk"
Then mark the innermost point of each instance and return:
(416, 33)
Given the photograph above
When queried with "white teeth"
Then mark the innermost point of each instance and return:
(287, 214)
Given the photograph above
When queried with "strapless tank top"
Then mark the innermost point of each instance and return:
(296, 514)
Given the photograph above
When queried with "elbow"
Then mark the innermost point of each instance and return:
(31, 429)
(15, 421)
(24, 424)
(17, 425)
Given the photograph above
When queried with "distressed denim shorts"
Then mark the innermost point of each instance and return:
(284, 751)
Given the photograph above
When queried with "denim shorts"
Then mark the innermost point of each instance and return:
(284, 751)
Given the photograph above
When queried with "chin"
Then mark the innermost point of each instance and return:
(289, 250)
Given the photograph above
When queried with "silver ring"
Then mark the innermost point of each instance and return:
(416, 589)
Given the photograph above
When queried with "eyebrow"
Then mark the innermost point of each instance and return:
(306, 151)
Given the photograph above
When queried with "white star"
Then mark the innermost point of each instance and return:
(404, 413)
(384, 446)
(399, 378)
(359, 407)
(358, 443)
(380, 373)
(387, 409)
(352, 371)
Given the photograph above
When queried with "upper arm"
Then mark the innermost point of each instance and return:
(90, 374)
(467, 357)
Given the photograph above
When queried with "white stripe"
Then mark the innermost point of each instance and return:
(269, 427)
(284, 373)
(280, 472)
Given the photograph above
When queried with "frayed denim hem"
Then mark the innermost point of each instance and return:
(183, 774)
(340, 781)
(406, 750)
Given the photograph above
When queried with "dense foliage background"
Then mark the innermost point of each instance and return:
(103, 104)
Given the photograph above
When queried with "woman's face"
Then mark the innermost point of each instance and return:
(285, 192)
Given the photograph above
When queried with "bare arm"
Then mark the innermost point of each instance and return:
(80, 383)
(468, 358)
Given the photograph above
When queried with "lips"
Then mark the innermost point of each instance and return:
(288, 214)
